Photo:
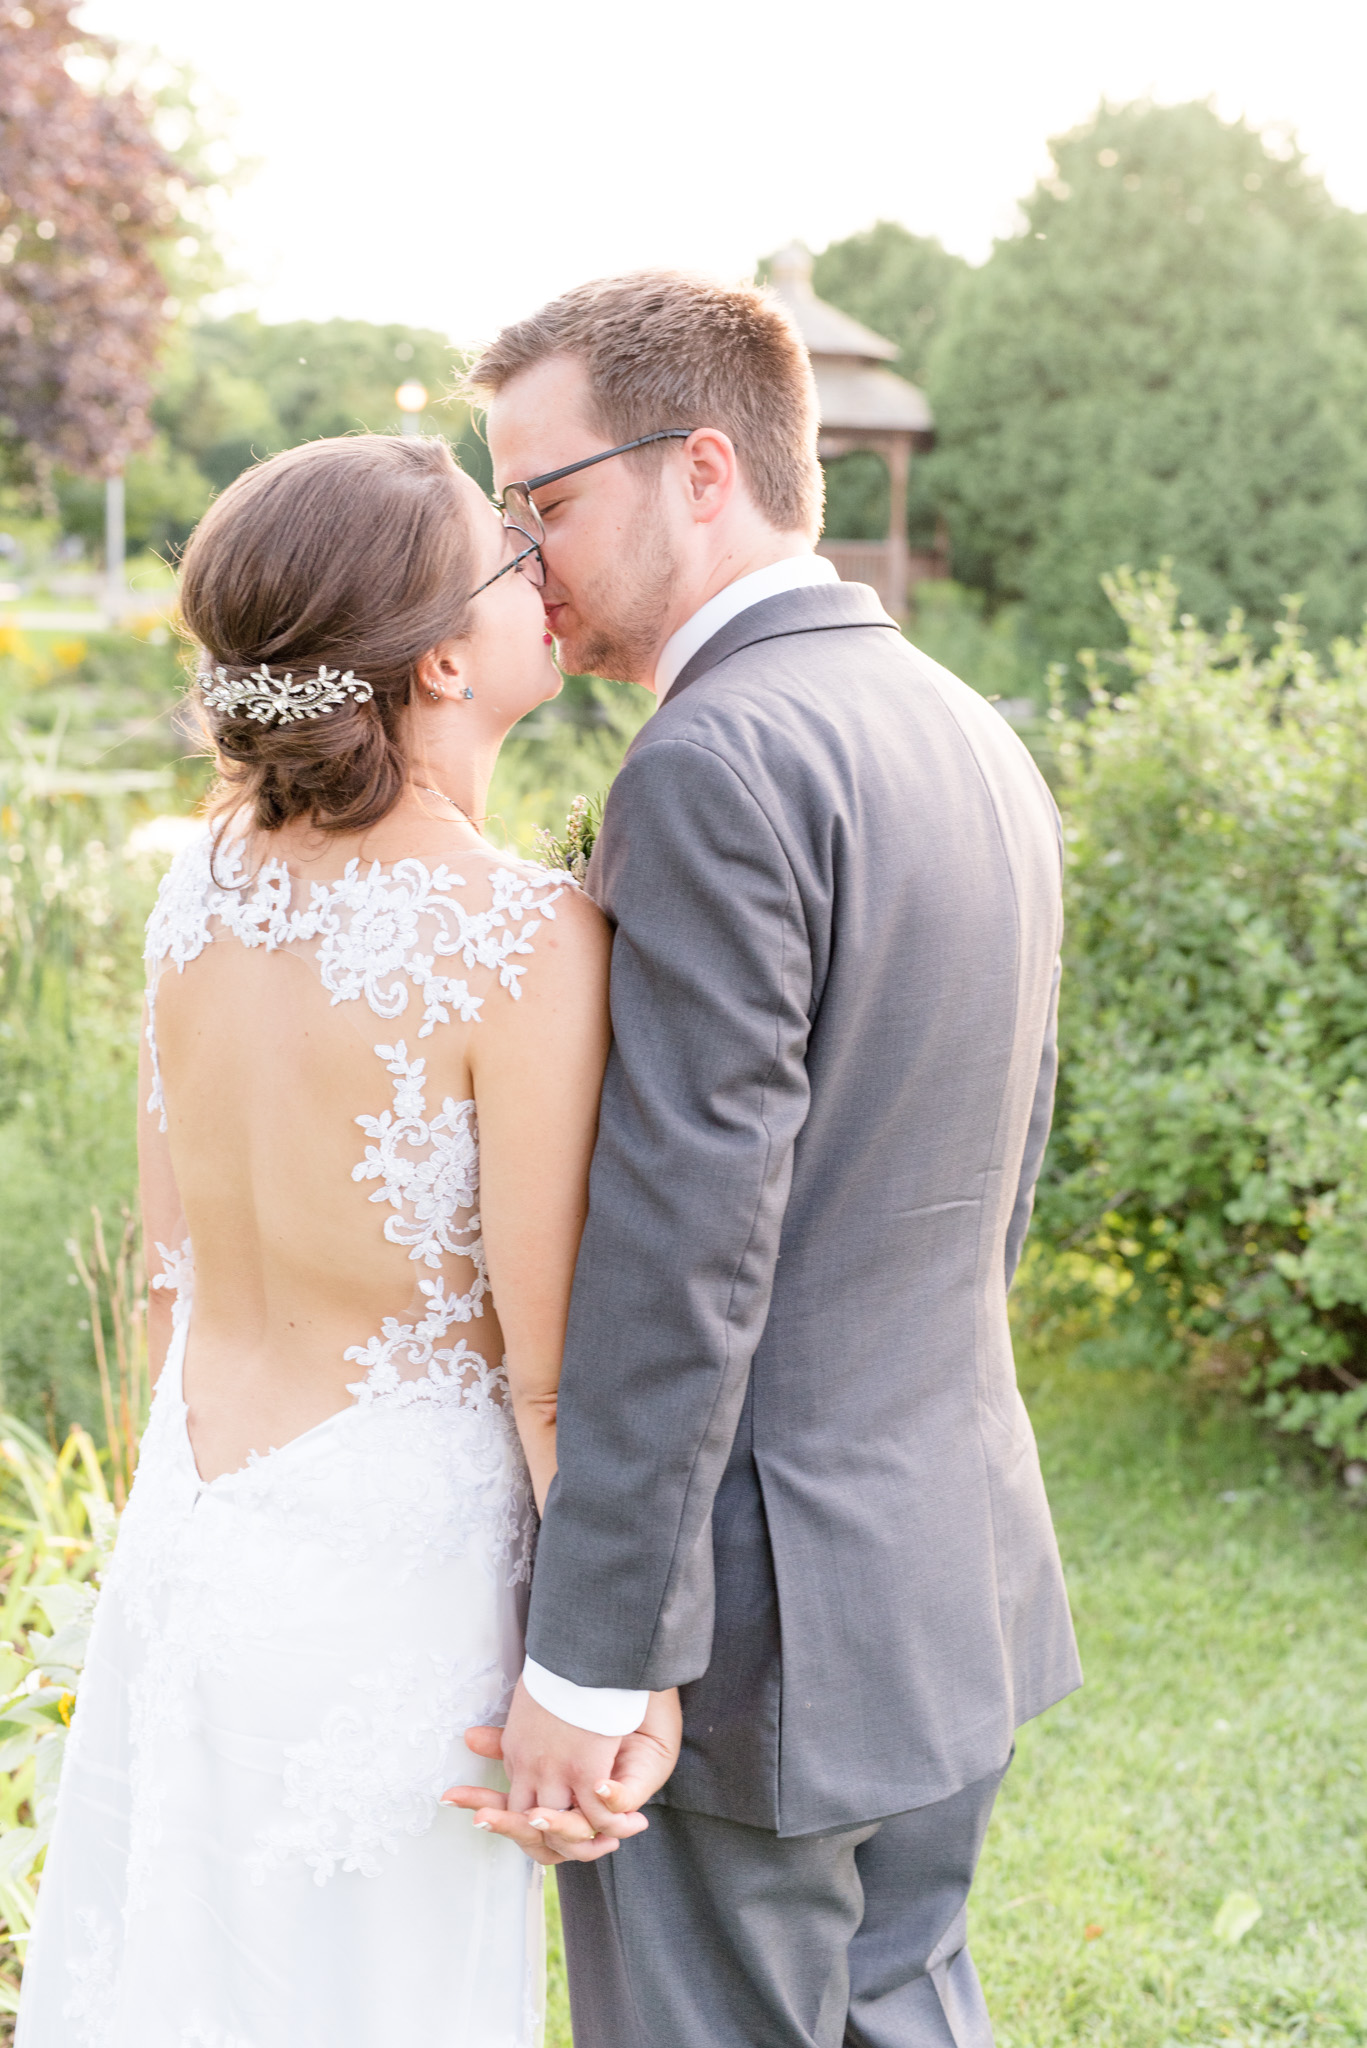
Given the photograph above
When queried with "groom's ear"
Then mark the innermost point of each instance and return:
(711, 473)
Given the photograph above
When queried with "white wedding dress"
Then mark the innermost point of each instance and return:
(248, 1849)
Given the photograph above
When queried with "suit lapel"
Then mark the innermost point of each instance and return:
(818, 608)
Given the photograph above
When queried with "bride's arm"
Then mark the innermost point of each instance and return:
(538, 1067)
(163, 1217)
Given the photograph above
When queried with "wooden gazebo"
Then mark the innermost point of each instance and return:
(862, 406)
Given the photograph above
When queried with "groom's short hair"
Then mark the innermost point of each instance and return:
(663, 349)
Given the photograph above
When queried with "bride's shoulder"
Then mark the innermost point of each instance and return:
(509, 877)
(541, 912)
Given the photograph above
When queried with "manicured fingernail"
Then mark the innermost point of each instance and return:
(484, 1827)
(538, 1823)
(603, 1789)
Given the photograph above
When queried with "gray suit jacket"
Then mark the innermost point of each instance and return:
(796, 1476)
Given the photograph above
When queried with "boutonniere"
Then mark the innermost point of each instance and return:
(571, 851)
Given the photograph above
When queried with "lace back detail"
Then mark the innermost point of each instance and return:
(393, 938)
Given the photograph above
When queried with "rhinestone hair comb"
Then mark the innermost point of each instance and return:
(280, 700)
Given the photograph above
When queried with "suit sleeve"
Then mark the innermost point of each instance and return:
(705, 1094)
(1037, 1137)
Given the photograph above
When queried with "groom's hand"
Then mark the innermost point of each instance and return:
(548, 1755)
(553, 1766)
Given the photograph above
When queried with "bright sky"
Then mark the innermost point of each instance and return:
(452, 166)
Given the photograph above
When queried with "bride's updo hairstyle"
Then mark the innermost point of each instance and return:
(355, 554)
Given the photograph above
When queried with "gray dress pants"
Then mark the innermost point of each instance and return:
(702, 1933)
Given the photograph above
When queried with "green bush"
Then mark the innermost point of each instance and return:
(1206, 1195)
(992, 652)
(571, 747)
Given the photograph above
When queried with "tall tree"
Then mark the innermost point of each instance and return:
(899, 284)
(241, 388)
(1169, 359)
(87, 194)
(231, 391)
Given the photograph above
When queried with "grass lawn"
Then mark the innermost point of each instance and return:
(1217, 1753)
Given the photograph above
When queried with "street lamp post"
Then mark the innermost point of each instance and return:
(411, 398)
(115, 589)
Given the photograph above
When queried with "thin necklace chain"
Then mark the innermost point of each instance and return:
(428, 790)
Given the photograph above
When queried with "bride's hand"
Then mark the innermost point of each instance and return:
(573, 1839)
(644, 1760)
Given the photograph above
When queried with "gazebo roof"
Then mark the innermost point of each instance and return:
(856, 399)
(855, 393)
(825, 329)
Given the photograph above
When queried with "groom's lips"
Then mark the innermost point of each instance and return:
(553, 612)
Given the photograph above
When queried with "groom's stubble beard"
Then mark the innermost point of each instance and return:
(623, 608)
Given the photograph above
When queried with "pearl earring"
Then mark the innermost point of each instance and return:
(435, 695)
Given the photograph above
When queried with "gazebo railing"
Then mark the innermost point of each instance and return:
(859, 561)
(877, 563)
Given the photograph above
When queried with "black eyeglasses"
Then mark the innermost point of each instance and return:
(528, 560)
(521, 515)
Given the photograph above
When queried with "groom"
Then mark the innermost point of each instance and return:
(796, 1478)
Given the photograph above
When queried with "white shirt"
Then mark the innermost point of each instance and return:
(794, 574)
(607, 1709)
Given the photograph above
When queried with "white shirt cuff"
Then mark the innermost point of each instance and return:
(599, 1709)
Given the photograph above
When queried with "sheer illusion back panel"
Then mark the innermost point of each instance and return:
(328, 1165)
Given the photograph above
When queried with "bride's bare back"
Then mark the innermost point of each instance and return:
(378, 1062)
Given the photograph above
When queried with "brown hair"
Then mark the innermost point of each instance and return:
(662, 349)
(356, 553)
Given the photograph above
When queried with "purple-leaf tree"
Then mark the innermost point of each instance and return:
(86, 194)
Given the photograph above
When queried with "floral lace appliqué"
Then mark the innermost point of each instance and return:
(428, 1171)
(89, 2003)
(373, 934)
(377, 1768)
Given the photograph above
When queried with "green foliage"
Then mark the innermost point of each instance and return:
(572, 849)
(569, 749)
(165, 494)
(239, 389)
(857, 496)
(899, 284)
(74, 893)
(1168, 360)
(993, 655)
(1207, 1190)
(57, 1522)
(232, 391)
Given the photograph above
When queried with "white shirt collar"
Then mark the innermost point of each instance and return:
(794, 574)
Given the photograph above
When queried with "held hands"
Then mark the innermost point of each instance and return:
(572, 1796)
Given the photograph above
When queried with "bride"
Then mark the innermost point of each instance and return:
(373, 1052)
